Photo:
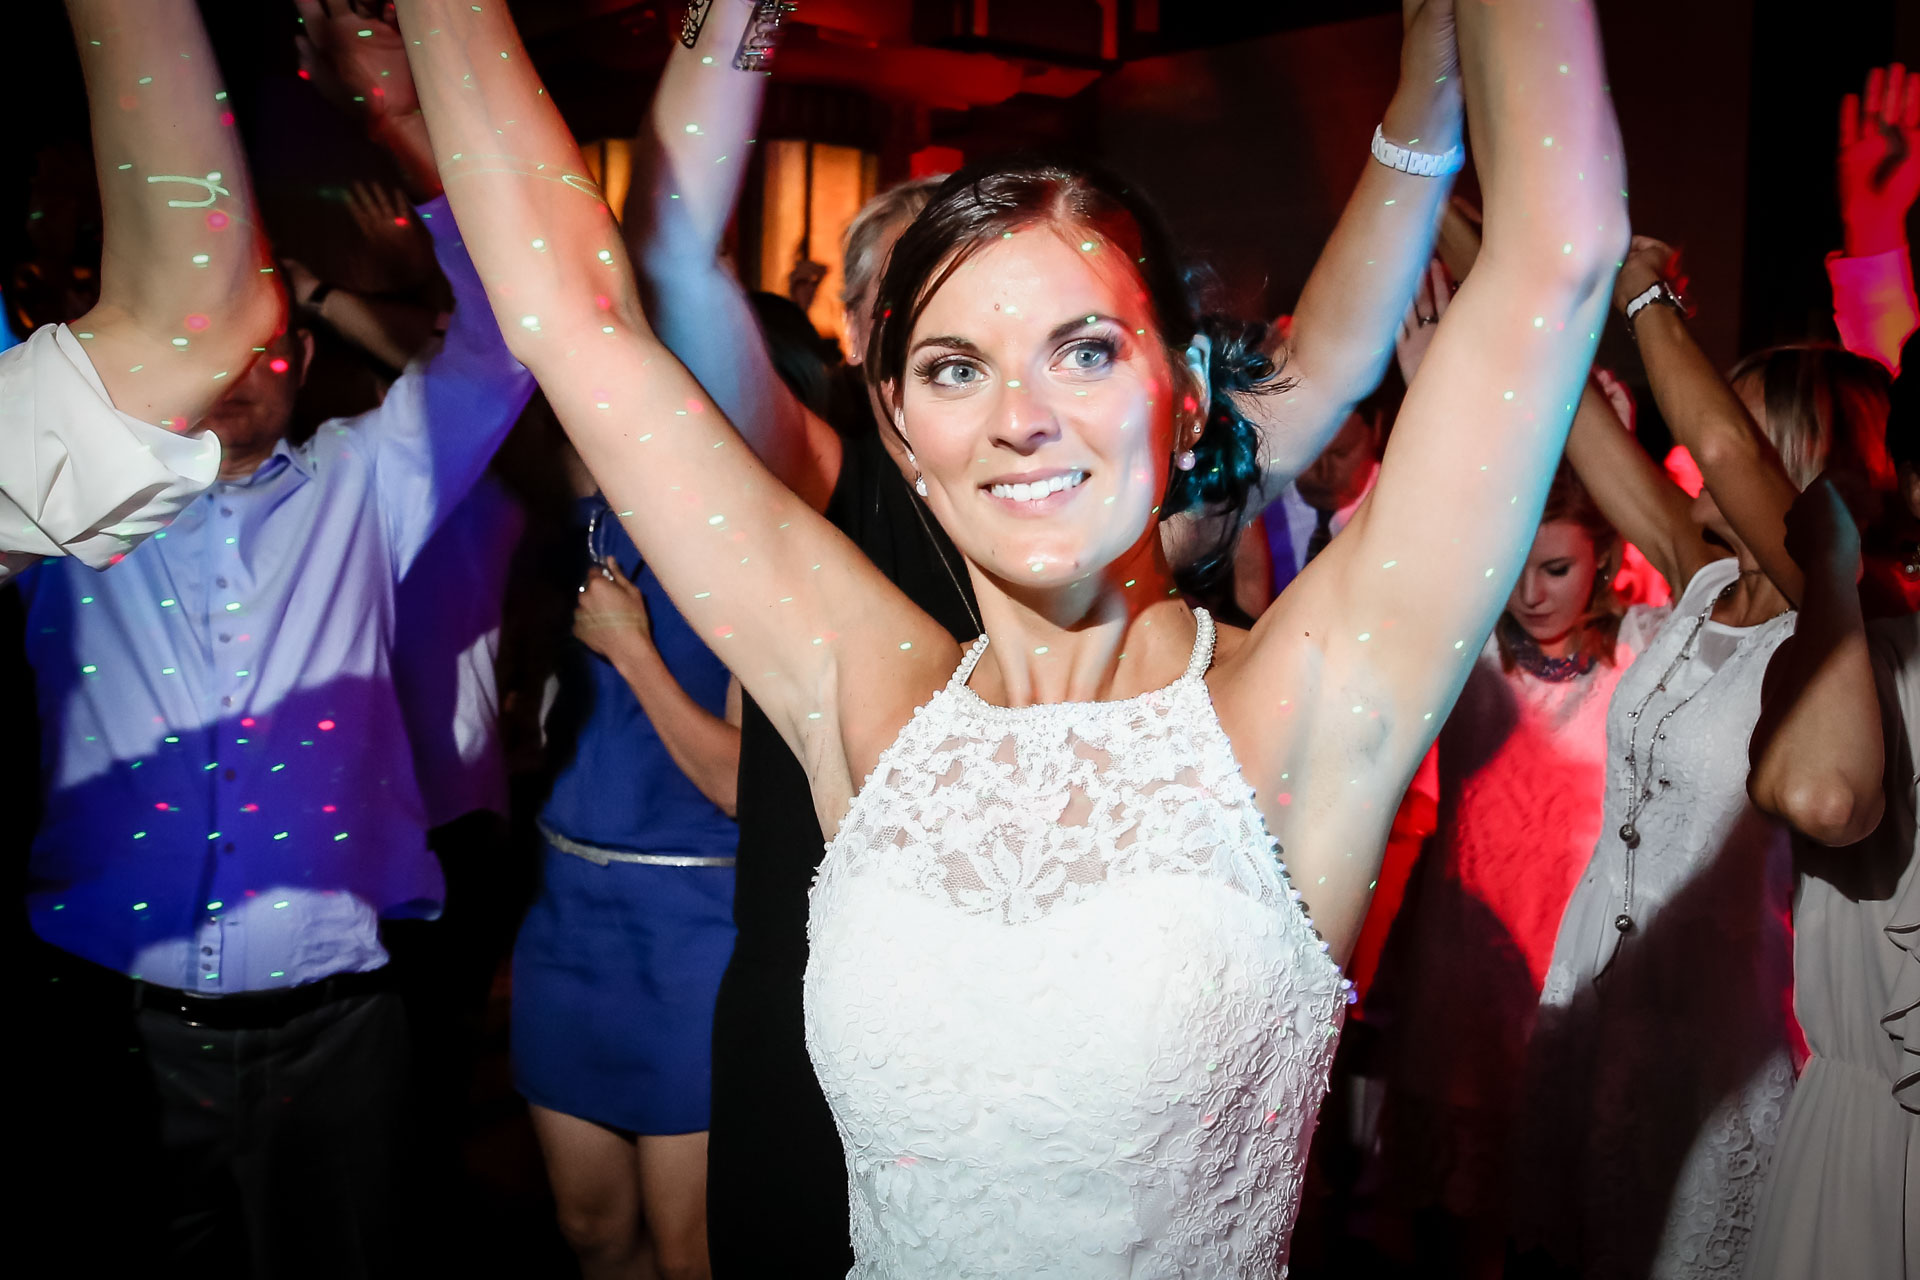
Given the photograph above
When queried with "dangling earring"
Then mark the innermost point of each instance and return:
(1184, 459)
(919, 480)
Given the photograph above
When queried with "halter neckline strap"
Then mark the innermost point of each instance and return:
(1197, 665)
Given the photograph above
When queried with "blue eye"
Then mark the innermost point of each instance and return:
(955, 374)
(1089, 355)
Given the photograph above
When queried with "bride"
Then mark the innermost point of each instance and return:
(1073, 1015)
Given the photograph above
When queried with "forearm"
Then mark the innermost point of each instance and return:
(690, 159)
(391, 332)
(185, 297)
(1741, 470)
(1358, 292)
(1874, 306)
(1633, 493)
(405, 139)
(703, 746)
(1817, 754)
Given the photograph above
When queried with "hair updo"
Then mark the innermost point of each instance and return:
(981, 203)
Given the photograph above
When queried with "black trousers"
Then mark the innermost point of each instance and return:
(178, 1149)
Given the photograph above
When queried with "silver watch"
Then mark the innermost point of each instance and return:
(1661, 292)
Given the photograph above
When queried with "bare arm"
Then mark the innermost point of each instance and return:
(389, 330)
(689, 161)
(186, 296)
(1740, 467)
(1817, 753)
(1353, 670)
(836, 654)
(611, 619)
(1874, 307)
(1634, 494)
(1344, 323)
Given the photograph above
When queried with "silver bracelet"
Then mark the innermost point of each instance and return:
(757, 42)
(1421, 164)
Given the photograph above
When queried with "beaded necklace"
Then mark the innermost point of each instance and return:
(1527, 655)
(1637, 803)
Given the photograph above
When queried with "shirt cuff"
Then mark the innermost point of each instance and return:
(1874, 307)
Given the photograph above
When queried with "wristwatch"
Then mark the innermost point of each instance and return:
(1661, 292)
(1421, 164)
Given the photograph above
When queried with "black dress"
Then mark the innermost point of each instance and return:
(776, 1178)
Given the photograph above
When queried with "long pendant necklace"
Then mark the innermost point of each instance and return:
(913, 500)
(1639, 790)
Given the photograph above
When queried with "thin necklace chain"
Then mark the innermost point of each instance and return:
(1640, 791)
(913, 500)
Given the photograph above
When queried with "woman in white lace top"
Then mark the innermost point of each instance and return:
(1069, 1015)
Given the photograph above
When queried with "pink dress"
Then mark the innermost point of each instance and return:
(1522, 776)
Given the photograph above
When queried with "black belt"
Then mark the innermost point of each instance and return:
(259, 1010)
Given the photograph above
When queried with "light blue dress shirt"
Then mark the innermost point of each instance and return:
(230, 794)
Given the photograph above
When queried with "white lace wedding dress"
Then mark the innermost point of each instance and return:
(1070, 1018)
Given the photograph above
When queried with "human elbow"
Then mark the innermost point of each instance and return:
(1829, 809)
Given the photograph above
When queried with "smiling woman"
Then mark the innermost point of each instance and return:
(1068, 1011)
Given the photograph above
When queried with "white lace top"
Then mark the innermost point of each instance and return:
(1068, 1015)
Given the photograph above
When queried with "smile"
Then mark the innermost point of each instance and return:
(1035, 490)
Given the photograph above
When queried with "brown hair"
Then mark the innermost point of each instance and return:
(1599, 624)
(1824, 407)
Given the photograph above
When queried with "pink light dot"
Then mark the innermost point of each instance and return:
(196, 322)
(326, 808)
(218, 220)
(226, 117)
(400, 222)
(277, 365)
(325, 725)
(723, 632)
(602, 301)
(1285, 797)
(249, 808)
(162, 806)
(246, 722)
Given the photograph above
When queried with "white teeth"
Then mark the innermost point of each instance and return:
(1029, 492)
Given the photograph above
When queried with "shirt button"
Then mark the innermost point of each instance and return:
(225, 638)
(206, 951)
(229, 776)
(226, 511)
(227, 701)
(219, 582)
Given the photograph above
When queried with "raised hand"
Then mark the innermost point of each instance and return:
(1648, 261)
(1423, 319)
(351, 50)
(1879, 167)
(398, 243)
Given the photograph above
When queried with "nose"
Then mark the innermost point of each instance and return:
(1026, 420)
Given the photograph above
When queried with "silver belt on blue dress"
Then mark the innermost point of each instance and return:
(595, 854)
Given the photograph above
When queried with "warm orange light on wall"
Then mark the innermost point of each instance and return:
(610, 163)
(844, 178)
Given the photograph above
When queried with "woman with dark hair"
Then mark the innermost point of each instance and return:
(1067, 1009)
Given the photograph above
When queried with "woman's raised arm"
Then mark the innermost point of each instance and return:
(689, 161)
(1358, 664)
(186, 292)
(808, 624)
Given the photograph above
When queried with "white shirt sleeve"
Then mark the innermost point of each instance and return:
(77, 476)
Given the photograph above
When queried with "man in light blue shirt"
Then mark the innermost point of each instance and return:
(230, 803)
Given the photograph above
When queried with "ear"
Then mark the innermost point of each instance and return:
(305, 338)
(1200, 369)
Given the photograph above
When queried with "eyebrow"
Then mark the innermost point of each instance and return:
(954, 342)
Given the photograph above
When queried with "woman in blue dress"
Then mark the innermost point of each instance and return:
(618, 962)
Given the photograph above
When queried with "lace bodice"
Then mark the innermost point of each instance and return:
(1067, 1012)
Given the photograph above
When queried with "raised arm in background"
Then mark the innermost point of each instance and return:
(611, 619)
(1343, 325)
(688, 163)
(1741, 468)
(1874, 306)
(808, 624)
(187, 297)
(1817, 755)
(1356, 665)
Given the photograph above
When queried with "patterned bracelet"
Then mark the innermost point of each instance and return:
(757, 41)
(1421, 164)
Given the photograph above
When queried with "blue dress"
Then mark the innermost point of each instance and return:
(618, 962)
